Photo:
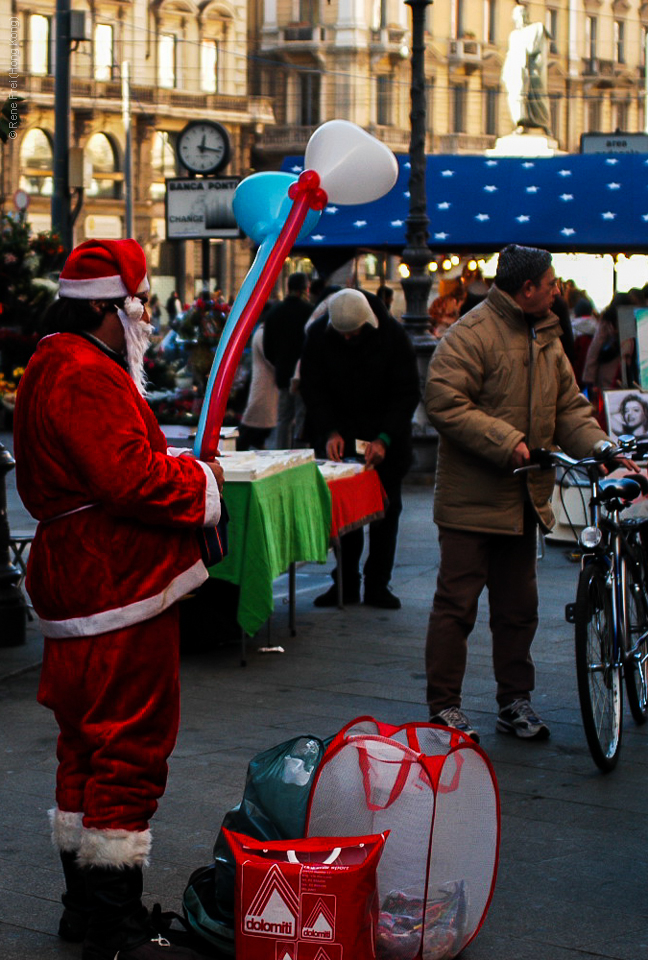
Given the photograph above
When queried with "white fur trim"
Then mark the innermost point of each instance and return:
(212, 497)
(133, 308)
(98, 288)
(184, 583)
(181, 452)
(67, 828)
(114, 848)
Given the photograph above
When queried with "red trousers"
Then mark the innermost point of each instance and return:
(116, 699)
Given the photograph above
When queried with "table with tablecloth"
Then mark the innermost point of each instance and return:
(289, 517)
(274, 521)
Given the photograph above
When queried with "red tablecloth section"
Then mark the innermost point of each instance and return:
(356, 501)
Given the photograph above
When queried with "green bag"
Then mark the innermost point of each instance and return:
(273, 807)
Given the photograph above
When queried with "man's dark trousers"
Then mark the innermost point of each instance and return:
(507, 566)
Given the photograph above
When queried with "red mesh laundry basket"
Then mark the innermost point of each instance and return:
(434, 789)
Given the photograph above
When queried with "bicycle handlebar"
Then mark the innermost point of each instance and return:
(543, 459)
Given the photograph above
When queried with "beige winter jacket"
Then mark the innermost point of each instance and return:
(492, 382)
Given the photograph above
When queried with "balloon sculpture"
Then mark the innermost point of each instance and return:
(275, 210)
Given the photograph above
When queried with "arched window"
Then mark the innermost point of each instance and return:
(36, 163)
(163, 162)
(106, 179)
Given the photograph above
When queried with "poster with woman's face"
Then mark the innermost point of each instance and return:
(626, 412)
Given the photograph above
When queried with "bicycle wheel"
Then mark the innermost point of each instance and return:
(635, 661)
(599, 677)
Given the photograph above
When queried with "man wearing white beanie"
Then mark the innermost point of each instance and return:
(359, 382)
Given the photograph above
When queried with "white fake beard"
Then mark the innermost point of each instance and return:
(138, 338)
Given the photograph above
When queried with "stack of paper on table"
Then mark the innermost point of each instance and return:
(254, 465)
(334, 470)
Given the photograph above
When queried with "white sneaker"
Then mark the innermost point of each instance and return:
(456, 718)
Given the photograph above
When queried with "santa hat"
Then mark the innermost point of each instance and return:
(104, 270)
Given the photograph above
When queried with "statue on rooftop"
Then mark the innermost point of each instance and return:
(525, 73)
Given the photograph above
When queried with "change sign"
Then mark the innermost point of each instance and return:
(200, 208)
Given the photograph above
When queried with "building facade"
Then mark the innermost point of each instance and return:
(350, 59)
(271, 72)
(185, 61)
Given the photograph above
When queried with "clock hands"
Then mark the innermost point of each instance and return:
(211, 149)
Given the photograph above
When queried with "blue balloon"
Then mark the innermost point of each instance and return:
(261, 205)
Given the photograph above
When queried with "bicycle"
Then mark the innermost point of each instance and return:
(610, 615)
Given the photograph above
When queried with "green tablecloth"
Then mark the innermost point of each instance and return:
(273, 522)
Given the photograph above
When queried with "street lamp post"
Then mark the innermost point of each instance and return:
(416, 254)
(13, 609)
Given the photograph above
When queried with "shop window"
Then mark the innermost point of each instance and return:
(163, 163)
(106, 180)
(621, 110)
(619, 41)
(36, 161)
(591, 36)
(429, 110)
(40, 45)
(103, 52)
(460, 14)
(594, 110)
(492, 100)
(308, 12)
(309, 99)
(458, 108)
(209, 66)
(551, 23)
(384, 101)
(371, 265)
(167, 67)
(491, 21)
(555, 111)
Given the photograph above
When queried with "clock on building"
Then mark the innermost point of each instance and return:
(203, 146)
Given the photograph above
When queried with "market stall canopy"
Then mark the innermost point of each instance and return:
(594, 203)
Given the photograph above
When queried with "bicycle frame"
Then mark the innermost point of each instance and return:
(616, 552)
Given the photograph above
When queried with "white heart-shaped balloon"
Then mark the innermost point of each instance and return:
(353, 166)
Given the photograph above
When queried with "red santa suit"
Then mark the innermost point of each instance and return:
(114, 550)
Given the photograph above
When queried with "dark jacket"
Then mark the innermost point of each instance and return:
(283, 336)
(361, 387)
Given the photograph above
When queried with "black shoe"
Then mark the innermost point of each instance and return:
(382, 598)
(330, 598)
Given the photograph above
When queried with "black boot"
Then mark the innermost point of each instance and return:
(74, 922)
(119, 925)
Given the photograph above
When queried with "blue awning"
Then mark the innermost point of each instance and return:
(594, 203)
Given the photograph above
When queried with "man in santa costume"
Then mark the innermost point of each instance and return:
(115, 549)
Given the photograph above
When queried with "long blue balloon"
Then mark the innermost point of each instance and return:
(261, 206)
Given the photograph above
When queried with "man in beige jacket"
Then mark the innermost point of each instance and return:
(499, 385)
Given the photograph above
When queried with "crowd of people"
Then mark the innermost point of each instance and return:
(333, 369)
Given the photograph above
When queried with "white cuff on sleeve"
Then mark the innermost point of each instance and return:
(212, 497)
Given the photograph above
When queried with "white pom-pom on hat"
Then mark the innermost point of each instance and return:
(133, 308)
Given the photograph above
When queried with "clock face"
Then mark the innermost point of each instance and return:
(203, 146)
